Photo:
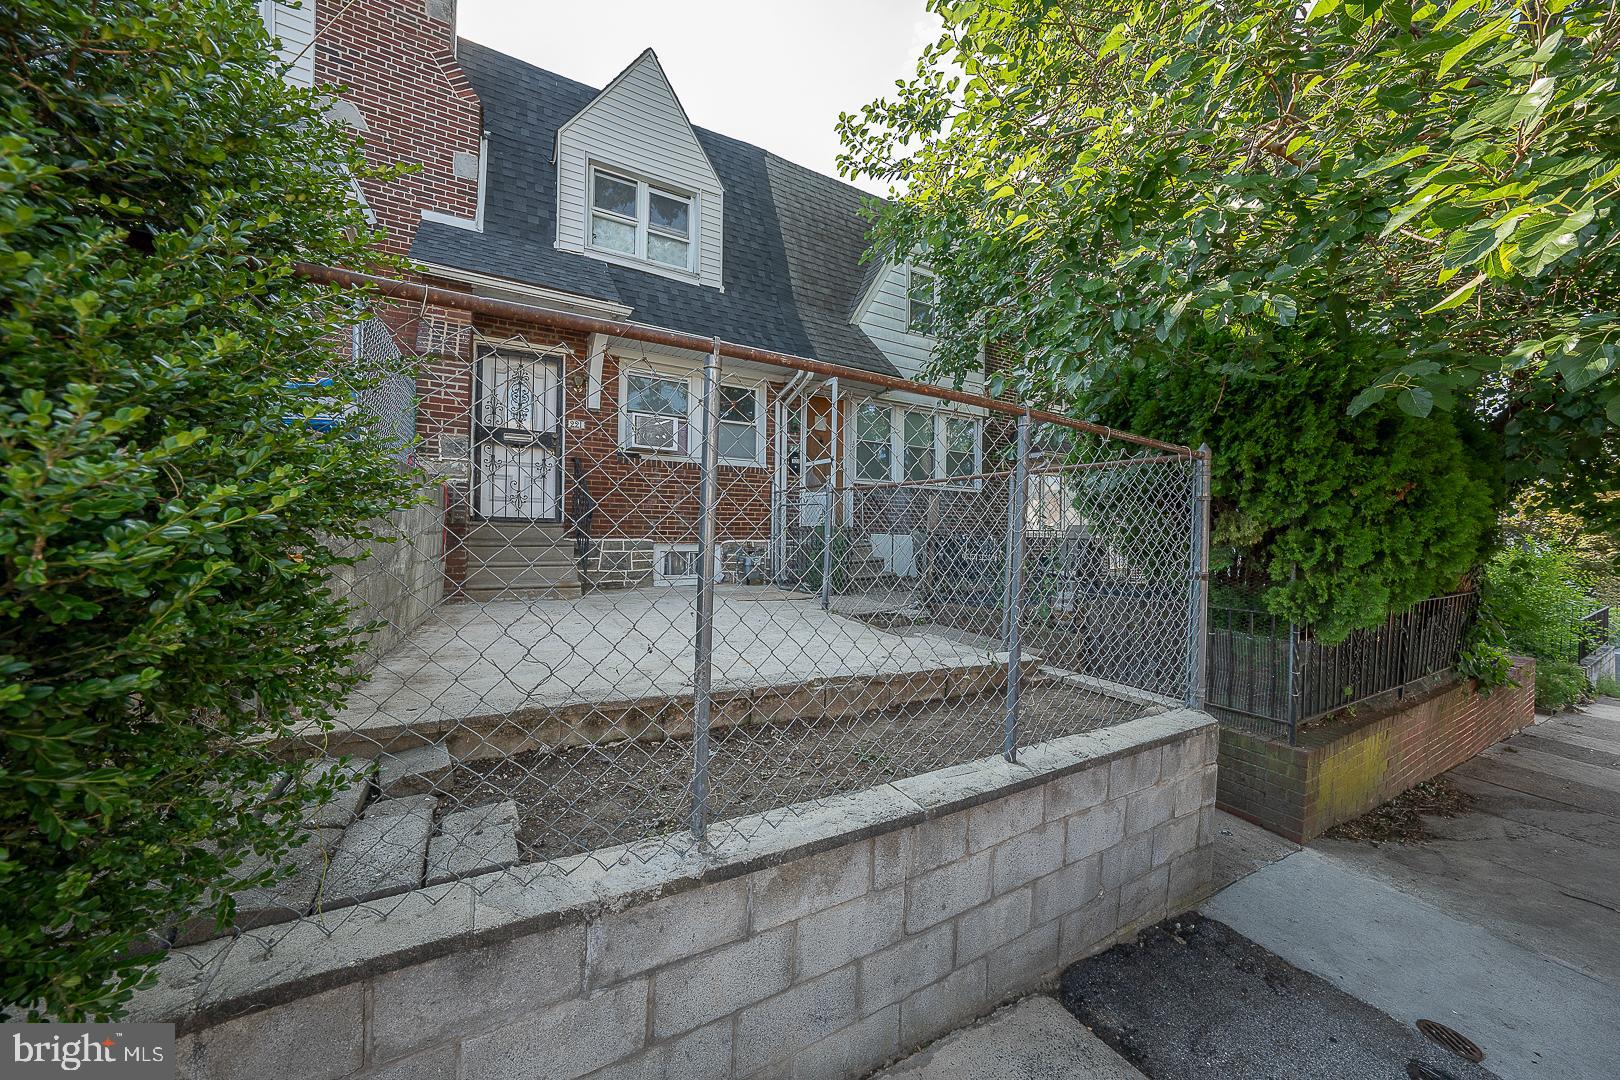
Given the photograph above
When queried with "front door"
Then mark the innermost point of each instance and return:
(517, 437)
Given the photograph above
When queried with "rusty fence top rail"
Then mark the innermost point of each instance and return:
(421, 293)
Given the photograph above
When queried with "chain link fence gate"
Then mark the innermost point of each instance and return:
(658, 598)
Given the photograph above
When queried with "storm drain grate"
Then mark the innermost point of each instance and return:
(1455, 1041)
(1419, 1071)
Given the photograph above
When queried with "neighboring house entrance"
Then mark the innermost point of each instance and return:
(517, 436)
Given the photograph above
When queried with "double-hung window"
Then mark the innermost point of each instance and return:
(917, 445)
(639, 220)
(874, 456)
(894, 443)
(961, 446)
(739, 424)
(919, 301)
(657, 411)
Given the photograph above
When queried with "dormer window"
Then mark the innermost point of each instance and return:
(638, 220)
(919, 301)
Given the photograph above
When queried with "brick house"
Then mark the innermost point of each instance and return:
(570, 458)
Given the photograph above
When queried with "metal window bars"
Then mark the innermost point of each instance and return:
(589, 650)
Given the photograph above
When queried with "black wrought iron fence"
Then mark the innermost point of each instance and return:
(1596, 632)
(1269, 675)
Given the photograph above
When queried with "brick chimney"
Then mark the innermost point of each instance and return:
(409, 101)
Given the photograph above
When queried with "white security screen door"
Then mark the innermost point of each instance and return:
(517, 437)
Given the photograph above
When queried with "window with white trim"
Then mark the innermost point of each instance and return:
(961, 446)
(919, 301)
(657, 411)
(638, 220)
(898, 444)
(874, 454)
(662, 414)
(739, 424)
(916, 445)
(675, 564)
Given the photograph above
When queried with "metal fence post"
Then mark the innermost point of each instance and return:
(1291, 710)
(1198, 591)
(827, 530)
(703, 639)
(1015, 583)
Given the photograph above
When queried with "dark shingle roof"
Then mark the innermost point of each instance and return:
(793, 238)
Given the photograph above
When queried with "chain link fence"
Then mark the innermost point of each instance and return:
(651, 595)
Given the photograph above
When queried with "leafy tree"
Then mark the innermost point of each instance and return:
(1423, 192)
(163, 605)
(1533, 600)
(1356, 517)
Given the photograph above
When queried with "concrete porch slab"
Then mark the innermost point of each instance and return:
(623, 658)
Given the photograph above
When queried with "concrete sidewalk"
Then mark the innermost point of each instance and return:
(1506, 926)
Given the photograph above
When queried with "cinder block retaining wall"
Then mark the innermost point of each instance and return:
(400, 579)
(819, 946)
(1347, 766)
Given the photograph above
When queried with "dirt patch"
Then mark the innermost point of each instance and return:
(1400, 821)
(580, 799)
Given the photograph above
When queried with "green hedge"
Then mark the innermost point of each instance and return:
(164, 505)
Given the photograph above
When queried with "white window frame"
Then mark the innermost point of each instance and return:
(643, 220)
(933, 308)
(856, 440)
(903, 465)
(663, 551)
(694, 414)
(942, 434)
(898, 445)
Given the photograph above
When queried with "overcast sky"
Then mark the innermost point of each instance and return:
(775, 73)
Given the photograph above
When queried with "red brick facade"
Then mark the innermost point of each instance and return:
(1345, 767)
(396, 61)
(639, 496)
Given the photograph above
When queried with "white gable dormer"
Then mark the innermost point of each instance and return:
(634, 185)
(292, 24)
(896, 311)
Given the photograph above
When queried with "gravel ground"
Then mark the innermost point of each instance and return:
(580, 799)
(1192, 999)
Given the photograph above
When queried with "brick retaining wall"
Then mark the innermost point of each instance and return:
(1347, 766)
(818, 946)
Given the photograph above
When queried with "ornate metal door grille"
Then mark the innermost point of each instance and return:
(517, 436)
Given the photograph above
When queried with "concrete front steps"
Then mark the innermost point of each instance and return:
(384, 834)
(529, 560)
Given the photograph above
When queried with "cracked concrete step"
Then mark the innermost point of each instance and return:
(353, 788)
(1031, 1040)
(288, 897)
(416, 771)
(384, 852)
(474, 841)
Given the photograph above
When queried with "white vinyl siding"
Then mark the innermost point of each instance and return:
(636, 128)
(295, 26)
(885, 317)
